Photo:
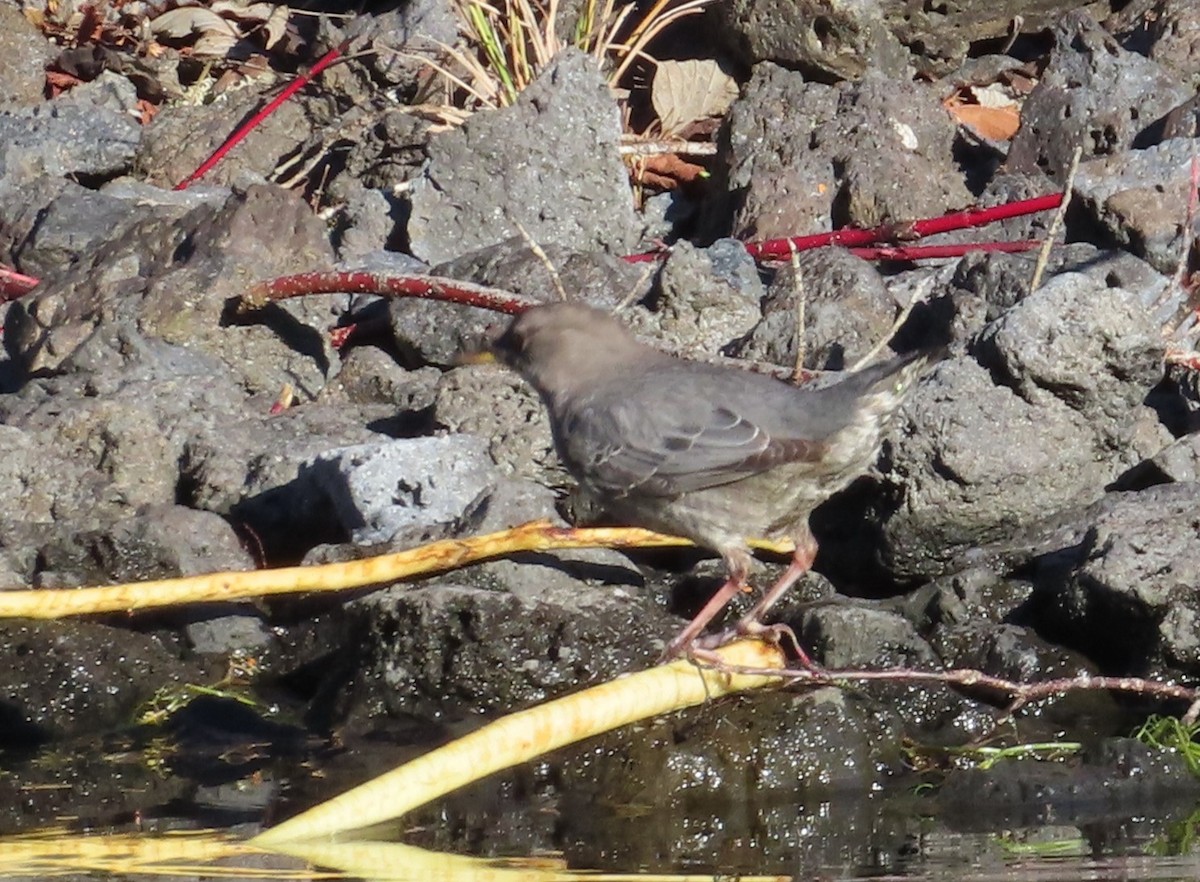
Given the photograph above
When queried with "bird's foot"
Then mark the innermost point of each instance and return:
(749, 627)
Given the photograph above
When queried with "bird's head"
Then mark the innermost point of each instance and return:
(558, 345)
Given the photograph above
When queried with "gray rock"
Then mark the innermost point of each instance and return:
(771, 129)
(966, 484)
(182, 135)
(1138, 198)
(1178, 462)
(1165, 31)
(371, 376)
(408, 28)
(847, 310)
(58, 140)
(839, 41)
(1094, 347)
(109, 90)
(490, 402)
(1120, 584)
(709, 297)
(803, 158)
(172, 276)
(407, 486)
(549, 163)
(221, 635)
(1093, 94)
(904, 168)
(24, 53)
(162, 541)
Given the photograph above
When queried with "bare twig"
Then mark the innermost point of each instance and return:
(635, 290)
(1017, 694)
(919, 293)
(675, 146)
(801, 296)
(541, 255)
(1039, 268)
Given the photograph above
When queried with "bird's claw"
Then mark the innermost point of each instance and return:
(773, 634)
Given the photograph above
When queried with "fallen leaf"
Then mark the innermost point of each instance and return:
(994, 123)
(686, 91)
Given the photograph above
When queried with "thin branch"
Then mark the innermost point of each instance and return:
(1044, 256)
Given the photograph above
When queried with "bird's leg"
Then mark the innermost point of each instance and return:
(738, 562)
(751, 625)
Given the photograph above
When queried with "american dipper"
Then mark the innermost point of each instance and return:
(712, 453)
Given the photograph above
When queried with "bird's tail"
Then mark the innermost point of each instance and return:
(883, 387)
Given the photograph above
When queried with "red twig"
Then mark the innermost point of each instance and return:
(926, 252)
(233, 140)
(429, 287)
(14, 284)
(779, 249)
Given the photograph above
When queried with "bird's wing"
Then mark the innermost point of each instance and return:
(628, 446)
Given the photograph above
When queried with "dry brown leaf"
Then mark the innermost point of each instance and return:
(667, 171)
(188, 20)
(994, 123)
(686, 91)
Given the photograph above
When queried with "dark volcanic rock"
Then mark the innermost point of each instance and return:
(548, 164)
(1094, 95)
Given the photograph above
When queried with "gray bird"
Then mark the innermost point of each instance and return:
(712, 453)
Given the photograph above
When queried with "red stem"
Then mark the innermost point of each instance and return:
(233, 140)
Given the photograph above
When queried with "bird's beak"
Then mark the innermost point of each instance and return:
(484, 352)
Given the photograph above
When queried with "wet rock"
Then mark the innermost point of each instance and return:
(1093, 94)
(405, 486)
(457, 644)
(1118, 774)
(744, 751)
(548, 163)
(75, 678)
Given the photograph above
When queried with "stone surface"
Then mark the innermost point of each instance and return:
(549, 163)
